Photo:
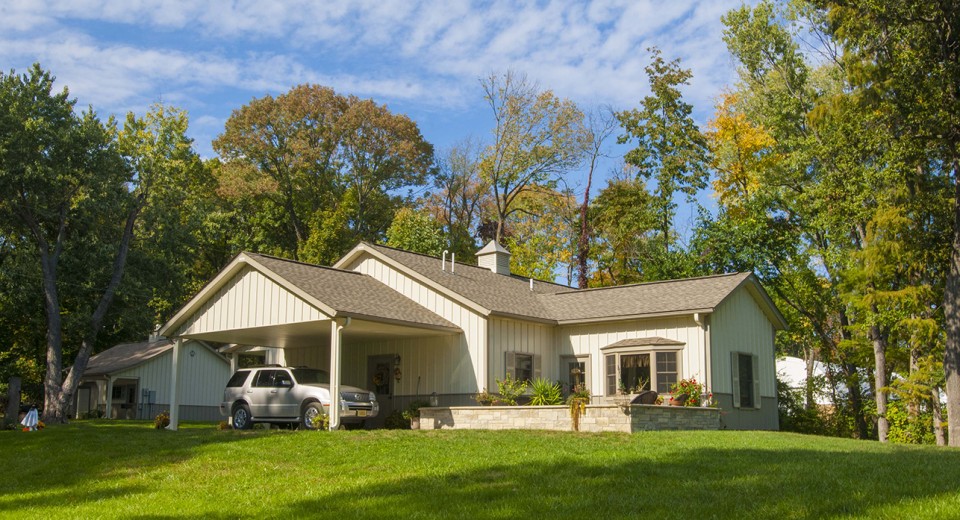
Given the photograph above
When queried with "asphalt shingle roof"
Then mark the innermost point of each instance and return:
(124, 356)
(350, 292)
(548, 301)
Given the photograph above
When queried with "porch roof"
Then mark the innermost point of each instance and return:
(124, 356)
(263, 300)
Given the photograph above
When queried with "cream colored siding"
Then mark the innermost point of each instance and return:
(509, 335)
(250, 300)
(451, 364)
(589, 339)
(738, 325)
(201, 381)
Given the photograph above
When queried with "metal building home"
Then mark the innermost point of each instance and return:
(408, 325)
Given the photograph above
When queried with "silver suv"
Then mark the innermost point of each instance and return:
(290, 395)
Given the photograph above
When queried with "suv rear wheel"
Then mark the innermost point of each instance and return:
(241, 417)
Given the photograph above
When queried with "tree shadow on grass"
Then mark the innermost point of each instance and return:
(708, 483)
(54, 466)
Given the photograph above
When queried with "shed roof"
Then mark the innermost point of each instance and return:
(125, 356)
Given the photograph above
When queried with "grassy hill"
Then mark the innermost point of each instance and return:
(92, 469)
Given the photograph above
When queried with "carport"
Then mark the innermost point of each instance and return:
(258, 300)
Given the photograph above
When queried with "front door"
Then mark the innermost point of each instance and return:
(380, 380)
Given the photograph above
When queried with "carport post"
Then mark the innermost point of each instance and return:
(174, 398)
(334, 410)
(108, 408)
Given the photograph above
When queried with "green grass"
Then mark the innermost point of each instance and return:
(100, 469)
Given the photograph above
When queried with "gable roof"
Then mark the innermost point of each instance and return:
(488, 291)
(125, 356)
(492, 293)
(334, 292)
(349, 293)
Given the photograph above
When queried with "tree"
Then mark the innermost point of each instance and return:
(537, 138)
(669, 146)
(601, 125)
(461, 197)
(416, 231)
(302, 154)
(77, 189)
(542, 235)
(906, 55)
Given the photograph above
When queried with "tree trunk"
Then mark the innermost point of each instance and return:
(951, 304)
(58, 408)
(937, 416)
(880, 380)
(583, 245)
(13, 401)
(852, 380)
(51, 380)
(810, 362)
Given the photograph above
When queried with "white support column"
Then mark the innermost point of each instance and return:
(233, 362)
(174, 397)
(334, 374)
(108, 407)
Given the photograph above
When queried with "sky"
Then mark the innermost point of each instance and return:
(423, 59)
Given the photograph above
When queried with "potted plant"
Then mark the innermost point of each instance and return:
(412, 413)
(687, 392)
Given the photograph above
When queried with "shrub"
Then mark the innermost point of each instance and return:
(413, 409)
(395, 421)
(484, 398)
(223, 425)
(162, 420)
(320, 422)
(545, 393)
(510, 389)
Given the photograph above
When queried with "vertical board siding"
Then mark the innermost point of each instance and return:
(250, 299)
(588, 339)
(451, 364)
(201, 380)
(511, 335)
(738, 325)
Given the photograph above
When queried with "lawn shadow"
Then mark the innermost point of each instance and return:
(726, 483)
(48, 466)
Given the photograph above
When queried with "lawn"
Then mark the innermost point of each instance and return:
(101, 469)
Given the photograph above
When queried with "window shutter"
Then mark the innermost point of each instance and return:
(735, 370)
(756, 381)
(536, 366)
(511, 365)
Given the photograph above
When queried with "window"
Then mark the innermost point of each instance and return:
(523, 366)
(746, 384)
(573, 372)
(271, 378)
(639, 371)
(238, 379)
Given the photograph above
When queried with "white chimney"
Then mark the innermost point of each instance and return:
(494, 257)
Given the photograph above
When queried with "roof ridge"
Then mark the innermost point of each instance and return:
(654, 282)
(515, 276)
(299, 262)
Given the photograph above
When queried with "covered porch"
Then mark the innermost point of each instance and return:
(314, 316)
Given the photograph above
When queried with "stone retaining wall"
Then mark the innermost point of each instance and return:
(598, 418)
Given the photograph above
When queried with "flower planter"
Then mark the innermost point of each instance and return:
(679, 400)
(415, 423)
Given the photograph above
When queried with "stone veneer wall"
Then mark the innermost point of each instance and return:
(598, 418)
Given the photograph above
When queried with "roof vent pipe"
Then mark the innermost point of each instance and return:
(443, 262)
(453, 262)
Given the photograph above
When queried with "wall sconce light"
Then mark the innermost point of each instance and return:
(397, 373)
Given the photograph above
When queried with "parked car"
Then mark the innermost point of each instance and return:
(290, 395)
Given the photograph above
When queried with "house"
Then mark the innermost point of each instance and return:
(132, 381)
(408, 325)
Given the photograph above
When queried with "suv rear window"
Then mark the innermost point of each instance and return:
(238, 379)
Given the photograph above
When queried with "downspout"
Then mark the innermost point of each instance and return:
(705, 338)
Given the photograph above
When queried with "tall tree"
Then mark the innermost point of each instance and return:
(302, 154)
(601, 124)
(907, 55)
(537, 137)
(75, 195)
(669, 145)
(461, 196)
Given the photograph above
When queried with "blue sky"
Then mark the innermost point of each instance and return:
(423, 59)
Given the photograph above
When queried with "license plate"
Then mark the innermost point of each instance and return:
(361, 413)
